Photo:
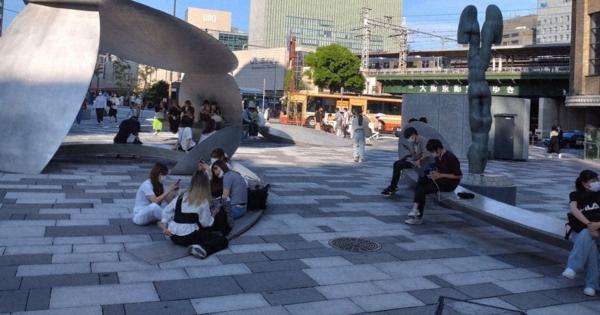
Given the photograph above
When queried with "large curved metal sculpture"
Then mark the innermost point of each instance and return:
(480, 98)
(49, 52)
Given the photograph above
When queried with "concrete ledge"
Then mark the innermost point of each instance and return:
(302, 135)
(96, 149)
(524, 222)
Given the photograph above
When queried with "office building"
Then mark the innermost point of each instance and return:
(554, 21)
(520, 31)
(218, 24)
(316, 23)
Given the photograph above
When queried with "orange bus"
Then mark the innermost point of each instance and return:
(300, 108)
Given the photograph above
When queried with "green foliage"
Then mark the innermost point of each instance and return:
(289, 78)
(122, 74)
(144, 74)
(334, 67)
(157, 92)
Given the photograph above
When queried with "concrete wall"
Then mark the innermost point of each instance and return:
(449, 114)
(209, 19)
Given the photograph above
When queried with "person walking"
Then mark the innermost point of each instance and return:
(554, 145)
(339, 121)
(112, 107)
(359, 125)
(100, 106)
(319, 119)
(159, 117)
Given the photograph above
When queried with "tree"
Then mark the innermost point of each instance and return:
(157, 92)
(144, 73)
(289, 78)
(122, 74)
(334, 67)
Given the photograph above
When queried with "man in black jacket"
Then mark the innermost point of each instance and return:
(127, 128)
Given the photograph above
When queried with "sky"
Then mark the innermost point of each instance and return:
(435, 16)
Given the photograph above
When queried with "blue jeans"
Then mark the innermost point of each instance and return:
(584, 257)
(238, 211)
(359, 144)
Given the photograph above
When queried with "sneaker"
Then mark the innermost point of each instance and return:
(560, 155)
(569, 273)
(414, 213)
(414, 221)
(589, 291)
(355, 160)
(197, 251)
(388, 191)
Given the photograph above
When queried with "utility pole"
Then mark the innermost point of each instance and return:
(171, 72)
(366, 40)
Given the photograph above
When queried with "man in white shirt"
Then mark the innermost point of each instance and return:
(100, 106)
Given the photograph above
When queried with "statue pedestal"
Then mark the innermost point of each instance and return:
(497, 187)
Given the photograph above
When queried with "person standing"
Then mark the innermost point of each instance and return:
(100, 106)
(319, 119)
(339, 120)
(346, 123)
(112, 107)
(253, 126)
(159, 117)
(359, 124)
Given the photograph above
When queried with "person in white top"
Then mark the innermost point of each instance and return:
(100, 105)
(151, 196)
(186, 219)
(185, 140)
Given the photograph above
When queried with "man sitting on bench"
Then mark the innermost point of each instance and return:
(443, 177)
(129, 130)
(414, 145)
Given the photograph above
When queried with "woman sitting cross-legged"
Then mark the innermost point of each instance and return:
(186, 218)
(583, 217)
(152, 196)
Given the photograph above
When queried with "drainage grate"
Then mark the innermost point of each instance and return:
(353, 244)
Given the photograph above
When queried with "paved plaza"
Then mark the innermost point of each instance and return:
(65, 236)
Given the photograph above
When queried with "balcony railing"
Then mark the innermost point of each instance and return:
(535, 69)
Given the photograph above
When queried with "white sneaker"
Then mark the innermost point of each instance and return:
(414, 221)
(560, 155)
(197, 251)
(414, 213)
(569, 273)
(589, 292)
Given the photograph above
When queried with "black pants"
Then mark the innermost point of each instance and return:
(220, 224)
(427, 186)
(100, 114)
(211, 242)
(398, 167)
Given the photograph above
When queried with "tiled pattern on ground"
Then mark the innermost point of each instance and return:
(64, 237)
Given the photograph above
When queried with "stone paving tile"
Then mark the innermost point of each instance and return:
(156, 275)
(339, 291)
(39, 299)
(63, 297)
(273, 281)
(293, 296)
(52, 269)
(333, 307)
(250, 248)
(563, 309)
(242, 258)
(53, 281)
(405, 284)
(217, 271)
(373, 303)
(159, 308)
(88, 310)
(280, 265)
(324, 262)
(114, 309)
(569, 295)
(56, 231)
(534, 284)
(269, 310)
(81, 258)
(345, 274)
(431, 296)
(188, 289)
(13, 301)
(483, 290)
(529, 300)
(228, 303)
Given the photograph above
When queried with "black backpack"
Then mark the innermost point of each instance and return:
(257, 197)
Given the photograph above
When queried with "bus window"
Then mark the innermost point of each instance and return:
(388, 108)
(315, 102)
(355, 108)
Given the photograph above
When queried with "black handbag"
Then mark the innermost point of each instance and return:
(257, 197)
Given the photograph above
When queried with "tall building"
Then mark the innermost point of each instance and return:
(218, 24)
(317, 23)
(585, 60)
(554, 21)
(1, 15)
(520, 30)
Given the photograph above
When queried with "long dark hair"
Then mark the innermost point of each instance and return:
(222, 165)
(584, 177)
(219, 154)
(157, 170)
(360, 116)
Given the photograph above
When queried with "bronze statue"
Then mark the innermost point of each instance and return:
(480, 98)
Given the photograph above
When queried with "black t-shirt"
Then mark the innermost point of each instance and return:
(126, 128)
(449, 164)
(318, 116)
(589, 204)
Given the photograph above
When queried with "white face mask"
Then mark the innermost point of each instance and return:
(162, 178)
(213, 160)
(595, 186)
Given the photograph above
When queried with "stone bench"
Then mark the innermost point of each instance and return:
(524, 222)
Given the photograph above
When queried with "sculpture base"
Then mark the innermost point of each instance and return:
(497, 187)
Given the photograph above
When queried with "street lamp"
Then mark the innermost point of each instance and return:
(171, 72)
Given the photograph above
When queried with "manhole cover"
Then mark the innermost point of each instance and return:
(353, 244)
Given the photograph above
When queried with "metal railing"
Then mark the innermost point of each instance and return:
(534, 69)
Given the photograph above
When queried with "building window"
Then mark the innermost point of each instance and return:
(595, 45)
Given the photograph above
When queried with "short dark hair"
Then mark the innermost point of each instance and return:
(423, 119)
(188, 102)
(412, 120)
(408, 132)
(433, 145)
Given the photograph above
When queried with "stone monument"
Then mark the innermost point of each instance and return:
(480, 99)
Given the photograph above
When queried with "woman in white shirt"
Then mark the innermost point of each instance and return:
(151, 196)
(182, 218)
